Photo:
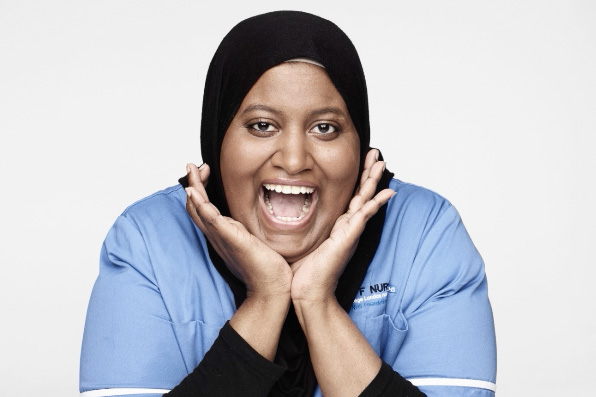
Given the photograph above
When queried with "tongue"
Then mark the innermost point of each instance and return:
(289, 205)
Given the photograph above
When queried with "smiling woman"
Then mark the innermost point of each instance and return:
(292, 130)
(290, 263)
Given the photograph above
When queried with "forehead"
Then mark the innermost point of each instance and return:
(294, 85)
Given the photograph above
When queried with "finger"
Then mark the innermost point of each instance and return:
(204, 172)
(371, 158)
(367, 188)
(204, 208)
(191, 208)
(205, 215)
(193, 174)
(358, 219)
(349, 227)
(198, 177)
(372, 206)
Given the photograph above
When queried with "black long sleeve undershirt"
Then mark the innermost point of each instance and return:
(390, 383)
(230, 368)
(233, 368)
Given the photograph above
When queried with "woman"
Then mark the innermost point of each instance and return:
(276, 268)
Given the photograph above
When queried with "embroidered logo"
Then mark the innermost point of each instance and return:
(374, 295)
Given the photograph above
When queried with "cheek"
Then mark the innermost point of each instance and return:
(344, 161)
(240, 163)
(341, 166)
(235, 163)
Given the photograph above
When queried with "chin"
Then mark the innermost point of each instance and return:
(292, 256)
(292, 259)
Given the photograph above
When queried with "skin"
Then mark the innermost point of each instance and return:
(298, 262)
(297, 108)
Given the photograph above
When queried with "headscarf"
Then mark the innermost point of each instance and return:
(246, 52)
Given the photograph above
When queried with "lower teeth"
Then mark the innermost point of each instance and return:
(305, 208)
(287, 218)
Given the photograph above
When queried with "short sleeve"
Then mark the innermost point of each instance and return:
(129, 345)
(450, 345)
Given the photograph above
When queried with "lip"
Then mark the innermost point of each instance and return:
(278, 224)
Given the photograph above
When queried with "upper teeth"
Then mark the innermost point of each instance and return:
(287, 189)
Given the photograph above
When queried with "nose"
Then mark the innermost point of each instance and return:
(293, 152)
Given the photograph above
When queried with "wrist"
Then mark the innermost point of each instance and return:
(272, 286)
(275, 290)
(267, 297)
(308, 294)
(315, 307)
(259, 321)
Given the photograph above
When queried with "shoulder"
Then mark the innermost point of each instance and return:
(433, 297)
(425, 219)
(415, 210)
(148, 230)
(428, 241)
(158, 206)
(425, 246)
(156, 239)
(414, 227)
(409, 194)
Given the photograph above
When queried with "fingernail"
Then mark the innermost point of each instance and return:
(187, 192)
(377, 155)
(201, 167)
(187, 169)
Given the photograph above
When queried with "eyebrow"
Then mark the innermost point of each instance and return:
(258, 106)
(316, 112)
(336, 111)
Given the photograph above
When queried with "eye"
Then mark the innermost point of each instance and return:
(262, 127)
(324, 128)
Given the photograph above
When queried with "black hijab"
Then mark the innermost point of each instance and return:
(248, 50)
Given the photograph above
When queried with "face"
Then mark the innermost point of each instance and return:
(290, 158)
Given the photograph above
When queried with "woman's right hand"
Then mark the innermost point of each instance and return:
(264, 272)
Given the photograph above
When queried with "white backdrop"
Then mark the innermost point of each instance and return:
(492, 104)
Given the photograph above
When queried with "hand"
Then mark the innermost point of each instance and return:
(316, 275)
(264, 272)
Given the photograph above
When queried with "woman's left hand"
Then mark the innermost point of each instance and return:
(334, 341)
(316, 275)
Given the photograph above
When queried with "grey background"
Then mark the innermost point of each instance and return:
(491, 104)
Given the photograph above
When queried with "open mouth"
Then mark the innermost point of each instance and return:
(286, 202)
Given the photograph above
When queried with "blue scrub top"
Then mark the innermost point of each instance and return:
(159, 303)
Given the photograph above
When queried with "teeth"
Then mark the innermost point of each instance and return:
(287, 189)
(287, 218)
(268, 204)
